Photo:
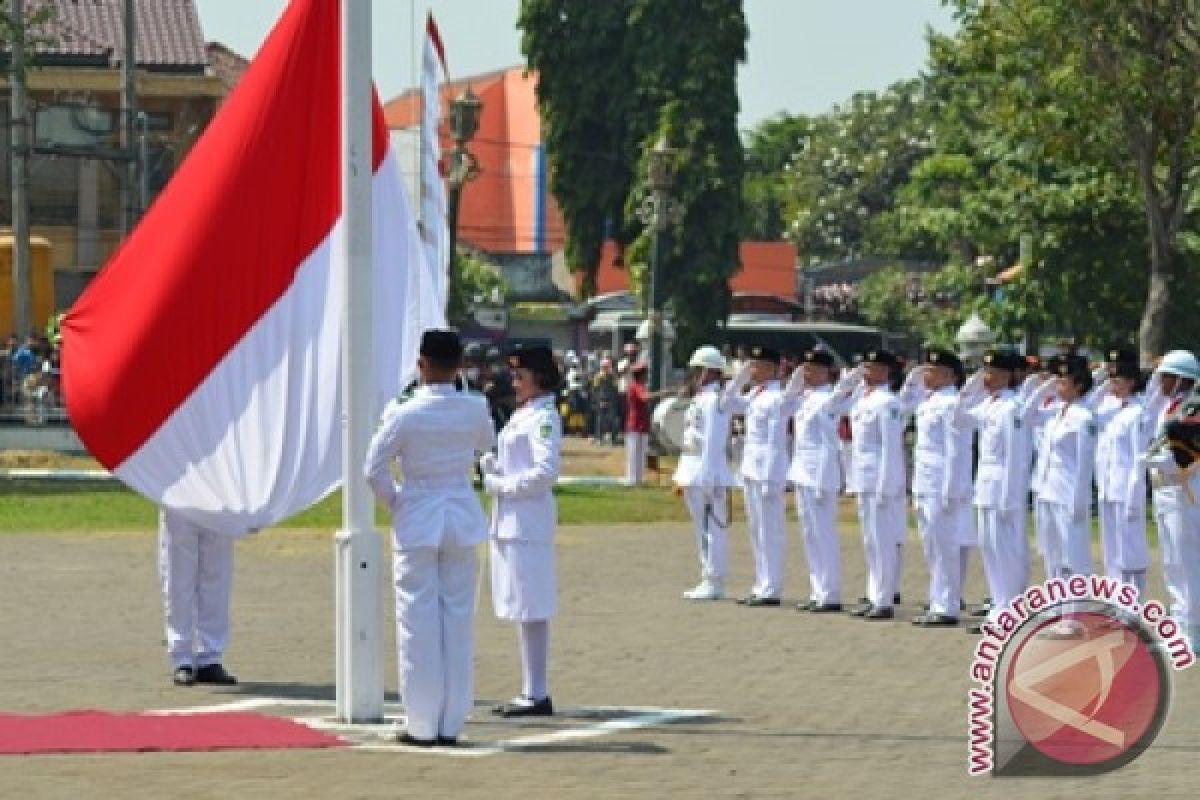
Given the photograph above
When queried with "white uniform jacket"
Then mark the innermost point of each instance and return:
(816, 461)
(1001, 474)
(702, 461)
(1124, 435)
(1067, 458)
(765, 453)
(527, 468)
(1169, 491)
(942, 453)
(877, 444)
(434, 436)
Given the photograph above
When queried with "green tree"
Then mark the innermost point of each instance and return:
(585, 85)
(770, 148)
(477, 278)
(685, 56)
(1102, 82)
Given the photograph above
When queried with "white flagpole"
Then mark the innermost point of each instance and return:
(358, 545)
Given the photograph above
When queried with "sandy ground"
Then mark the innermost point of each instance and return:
(807, 706)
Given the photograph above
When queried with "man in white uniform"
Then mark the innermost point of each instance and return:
(764, 472)
(433, 436)
(941, 482)
(1176, 509)
(703, 475)
(877, 477)
(816, 474)
(196, 571)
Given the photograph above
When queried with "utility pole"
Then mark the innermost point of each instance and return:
(21, 272)
(129, 183)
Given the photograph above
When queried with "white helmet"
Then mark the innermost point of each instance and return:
(1182, 363)
(708, 357)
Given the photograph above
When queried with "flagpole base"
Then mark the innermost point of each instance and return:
(359, 626)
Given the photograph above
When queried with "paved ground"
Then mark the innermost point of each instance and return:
(822, 707)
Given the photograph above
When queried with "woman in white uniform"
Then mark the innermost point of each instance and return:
(520, 480)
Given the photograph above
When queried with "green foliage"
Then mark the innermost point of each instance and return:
(686, 67)
(770, 148)
(585, 88)
(475, 278)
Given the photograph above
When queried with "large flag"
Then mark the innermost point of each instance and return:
(202, 364)
(435, 234)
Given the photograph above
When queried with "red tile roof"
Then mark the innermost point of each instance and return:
(168, 32)
(766, 267)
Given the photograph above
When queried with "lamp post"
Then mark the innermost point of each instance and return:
(658, 210)
(463, 122)
(974, 338)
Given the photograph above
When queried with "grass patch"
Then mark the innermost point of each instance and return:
(43, 506)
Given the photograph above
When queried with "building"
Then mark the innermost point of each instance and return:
(76, 167)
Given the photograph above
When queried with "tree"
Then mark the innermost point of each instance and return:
(476, 278)
(578, 48)
(770, 148)
(684, 57)
(1113, 82)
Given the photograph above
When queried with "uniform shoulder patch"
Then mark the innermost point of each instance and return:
(546, 430)
(1018, 422)
(1091, 428)
(894, 413)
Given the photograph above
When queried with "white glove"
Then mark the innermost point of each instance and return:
(1100, 375)
(742, 376)
(914, 375)
(491, 484)
(974, 382)
(849, 382)
(1031, 384)
(795, 385)
(488, 464)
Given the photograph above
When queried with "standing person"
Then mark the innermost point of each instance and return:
(816, 473)
(433, 435)
(1063, 476)
(941, 481)
(703, 475)
(520, 480)
(1120, 479)
(637, 423)
(1175, 513)
(604, 403)
(877, 477)
(196, 571)
(764, 469)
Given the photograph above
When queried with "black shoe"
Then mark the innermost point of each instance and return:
(183, 676)
(896, 599)
(880, 613)
(975, 628)
(982, 611)
(412, 741)
(808, 605)
(447, 741)
(215, 674)
(761, 601)
(934, 621)
(823, 608)
(745, 601)
(861, 611)
(525, 707)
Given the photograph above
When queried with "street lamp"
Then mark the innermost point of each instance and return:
(463, 122)
(974, 338)
(659, 211)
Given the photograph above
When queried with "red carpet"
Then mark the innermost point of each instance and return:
(100, 732)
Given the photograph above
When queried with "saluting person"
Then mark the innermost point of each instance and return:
(520, 480)
(703, 475)
(877, 477)
(434, 436)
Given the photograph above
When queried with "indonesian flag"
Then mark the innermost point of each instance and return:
(202, 365)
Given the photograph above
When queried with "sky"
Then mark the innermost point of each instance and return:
(803, 56)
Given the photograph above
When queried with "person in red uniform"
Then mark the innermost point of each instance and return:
(637, 423)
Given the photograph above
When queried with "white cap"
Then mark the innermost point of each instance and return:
(708, 357)
(1182, 363)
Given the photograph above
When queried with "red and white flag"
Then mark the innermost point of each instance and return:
(202, 364)
(435, 233)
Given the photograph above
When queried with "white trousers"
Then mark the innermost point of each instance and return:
(1123, 534)
(1067, 541)
(817, 510)
(709, 509)
(635, 457)
(882, 519)
(767, 521)
(435, 613)
(1179, 537)
(195, 567)
(1005, 556)
(940, 525)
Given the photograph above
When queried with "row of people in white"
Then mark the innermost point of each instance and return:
(1082, 432)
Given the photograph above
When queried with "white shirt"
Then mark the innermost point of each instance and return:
(526, 469)
(876, 444)
(434, 437)
(1067, 458)
(1124, 436)
(765, 448)
(815, 460)
(942, 454)
(702, 461)
(998, 478)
